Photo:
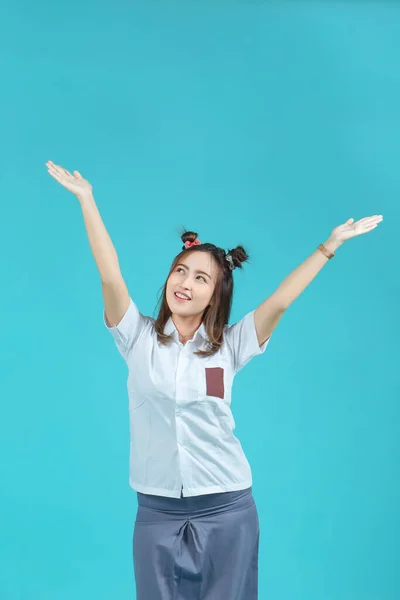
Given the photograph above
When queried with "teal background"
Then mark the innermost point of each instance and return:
(262, 123)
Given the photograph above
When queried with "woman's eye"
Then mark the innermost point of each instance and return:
(181, 269)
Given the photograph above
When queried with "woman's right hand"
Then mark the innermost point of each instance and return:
(73, 183)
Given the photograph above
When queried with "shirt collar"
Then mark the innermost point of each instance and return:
(171, 329)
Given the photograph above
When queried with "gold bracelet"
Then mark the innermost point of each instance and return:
(326, 251)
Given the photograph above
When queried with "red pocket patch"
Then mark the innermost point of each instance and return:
(215, 381)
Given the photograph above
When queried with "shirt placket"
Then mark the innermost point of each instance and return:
(182, 392)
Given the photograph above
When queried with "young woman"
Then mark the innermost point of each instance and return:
(196, 532)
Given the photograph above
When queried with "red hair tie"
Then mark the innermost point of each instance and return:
(196, 242)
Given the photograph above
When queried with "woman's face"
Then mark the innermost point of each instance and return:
(194, 277)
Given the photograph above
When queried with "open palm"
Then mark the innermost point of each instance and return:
(73, 183)
(351, 229)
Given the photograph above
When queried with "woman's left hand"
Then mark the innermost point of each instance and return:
(350, 229)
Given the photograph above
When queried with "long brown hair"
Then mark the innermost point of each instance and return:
(215, 316)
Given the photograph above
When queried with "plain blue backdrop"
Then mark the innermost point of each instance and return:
(262, 123)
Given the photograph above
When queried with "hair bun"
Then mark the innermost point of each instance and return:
(188, 236)
(239, 256)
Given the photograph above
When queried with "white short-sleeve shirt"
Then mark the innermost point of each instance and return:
(181, 424)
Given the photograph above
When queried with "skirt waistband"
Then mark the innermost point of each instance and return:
(198, 505)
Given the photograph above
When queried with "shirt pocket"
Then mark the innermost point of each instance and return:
(213, 382)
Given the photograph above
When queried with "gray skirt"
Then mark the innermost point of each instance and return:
(196, 548)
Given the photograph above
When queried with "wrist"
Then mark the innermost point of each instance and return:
(85, 198)
(332, 244)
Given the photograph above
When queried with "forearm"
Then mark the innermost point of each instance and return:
(297, 281)
(103, 250)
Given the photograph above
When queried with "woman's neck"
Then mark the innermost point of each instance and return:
(186, 326)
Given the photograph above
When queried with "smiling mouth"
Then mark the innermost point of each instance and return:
(181, 299)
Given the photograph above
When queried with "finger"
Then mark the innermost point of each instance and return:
(57, 169)
(373, 221)
(361, 221)
(57, 175)
(54, 171)
(368, 228)
(53, 168)
(370, 219)
(60, 169)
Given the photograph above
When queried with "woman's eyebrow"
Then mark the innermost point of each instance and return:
(197, 270)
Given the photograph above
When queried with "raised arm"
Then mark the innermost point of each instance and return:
(268, 314)
(115, 293)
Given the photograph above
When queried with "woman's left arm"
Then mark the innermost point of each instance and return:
(268, 314)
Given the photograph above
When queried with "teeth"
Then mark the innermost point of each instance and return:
(181, 296)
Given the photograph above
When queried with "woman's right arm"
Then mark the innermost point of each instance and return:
(115, 293)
